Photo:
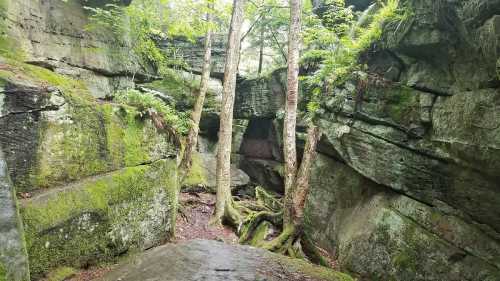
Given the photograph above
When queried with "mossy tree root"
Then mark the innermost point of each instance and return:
(253, 221)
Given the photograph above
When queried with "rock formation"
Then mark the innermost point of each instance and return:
(407, 184)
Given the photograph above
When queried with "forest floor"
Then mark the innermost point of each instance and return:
(193, 220)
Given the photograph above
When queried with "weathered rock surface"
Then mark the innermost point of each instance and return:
(53, 34)
(212, 261)
(382, 234)
(203, 173)
(260, 97)
(408, 186)
(102, 178)
(415, 195)
(96, 219)
(13, 257)
(51, 137)
(192, 53)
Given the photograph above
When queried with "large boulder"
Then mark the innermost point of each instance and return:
(414, 192)
(96, 219)
(385, 235)
(204, 171)
(13, 257)
(54, 34)
(212, 260)
(95, 179)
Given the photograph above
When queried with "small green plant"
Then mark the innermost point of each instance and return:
(161, 113)
(337, 57)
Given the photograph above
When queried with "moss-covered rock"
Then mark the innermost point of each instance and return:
(68, 136)
(99, 218)
(383, 235)
(54, 34)
(104, 178)
(203, 173)
(13, 257)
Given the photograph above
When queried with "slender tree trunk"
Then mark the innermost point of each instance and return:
(200, 100)
(290, 122)
(261, 51)
(224, 209)
(302, 182)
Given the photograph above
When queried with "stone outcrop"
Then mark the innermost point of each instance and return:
(53, 34)
(95, 179)
(414, 190)
(192, 53)
(212, 260)
(260, 97)
(407, 184)
(13, 257)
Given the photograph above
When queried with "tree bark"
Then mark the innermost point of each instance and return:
(200, 100)
(302, 181)
(290, 122)
(261, 51)
(224, 209)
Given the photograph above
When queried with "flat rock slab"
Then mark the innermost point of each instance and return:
(208, 260)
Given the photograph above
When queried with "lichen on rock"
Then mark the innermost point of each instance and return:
(98, 218)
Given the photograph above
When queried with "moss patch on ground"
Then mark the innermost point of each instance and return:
(61, 274)
(100, 218)
(314, 271)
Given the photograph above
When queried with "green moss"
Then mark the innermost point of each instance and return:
(401, 104)
(260, 234)
(197, 174)
(85, 138)
(100, 218)
(3, 273)
(9, 47)
(317, 272)
(61, 274)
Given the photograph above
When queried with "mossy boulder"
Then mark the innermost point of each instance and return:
(203, 173)
(55, 34)
(97, 219)
(13, 257)
(103, 178)
(60, 134)
(384, 235)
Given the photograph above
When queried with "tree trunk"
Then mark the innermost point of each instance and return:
(224, 209)
(302, 181)
(290, 123)
(200, 100)
(261, 51)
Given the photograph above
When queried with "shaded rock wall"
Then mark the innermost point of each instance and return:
(53, 34)
(96, 179)
(407, 184)
(13, 257)
(419, 200)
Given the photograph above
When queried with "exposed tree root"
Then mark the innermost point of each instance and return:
(265, 214)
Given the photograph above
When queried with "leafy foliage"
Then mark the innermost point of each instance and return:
(333, 51)
(146, 22)
(149, 105)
